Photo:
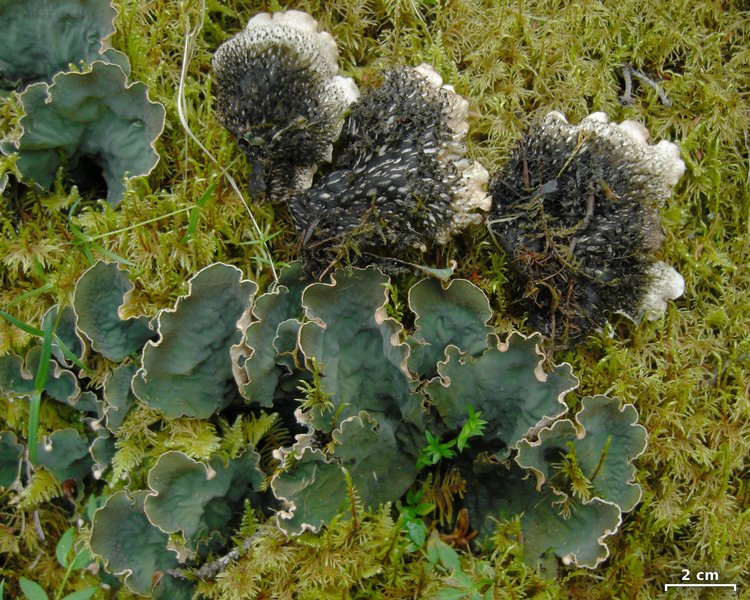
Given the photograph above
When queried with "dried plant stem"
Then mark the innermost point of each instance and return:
(628, 73)
(212, 569)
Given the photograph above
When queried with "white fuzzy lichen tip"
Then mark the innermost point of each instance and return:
(666, 284)
(279, 93)
(470, 197)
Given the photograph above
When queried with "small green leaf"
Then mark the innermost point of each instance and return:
(454, 594)
(473, 427)
(84, 594)
(262, 240)
(449, 557)
(432, 551)
(82, 560)
(413, 497)
(64, 546)
(437, 549)
(435, 450)
(424, 509)
(32, 591)
(417, 532)
(87, 253)
(79, 235)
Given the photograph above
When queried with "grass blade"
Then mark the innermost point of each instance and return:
(111, 255)
(196, 210)
(34, 406)
(68, 353)
(39, 384)
(47, 287)
(21, 325)
(260, 241)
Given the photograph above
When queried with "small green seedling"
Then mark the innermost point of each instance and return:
(437, 450)
(412, 523)
(71, 560)
(458, 585)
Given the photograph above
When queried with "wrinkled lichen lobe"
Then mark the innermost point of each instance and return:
(386, 169)
(401, 180)
(577, 209)
(279, 94)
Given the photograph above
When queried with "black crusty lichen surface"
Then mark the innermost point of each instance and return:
(577, 210)
(278, 93)
(388, 191)
(378, 179)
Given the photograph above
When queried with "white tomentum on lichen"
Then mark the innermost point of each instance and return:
(666, 284)
(470, 198)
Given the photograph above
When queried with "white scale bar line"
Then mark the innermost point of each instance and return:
(680, 585)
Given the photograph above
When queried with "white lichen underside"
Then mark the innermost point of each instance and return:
(471, 198)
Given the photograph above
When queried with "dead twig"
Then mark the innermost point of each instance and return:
(628, 73)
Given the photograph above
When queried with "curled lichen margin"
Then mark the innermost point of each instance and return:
(142, 374)
(13, 145)
(536, 440)
(381, 318)
(539, 373)
(129, 288)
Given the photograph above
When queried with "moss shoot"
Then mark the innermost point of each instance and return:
(687, 373)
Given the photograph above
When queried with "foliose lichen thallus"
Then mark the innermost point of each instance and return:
(279, 93)
(577, 209)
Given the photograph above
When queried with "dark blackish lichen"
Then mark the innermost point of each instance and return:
(400, 178)
(279, 94)
(577, 210)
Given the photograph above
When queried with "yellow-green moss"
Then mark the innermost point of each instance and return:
(687, 374)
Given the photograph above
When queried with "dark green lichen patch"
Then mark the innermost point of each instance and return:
(686, 374)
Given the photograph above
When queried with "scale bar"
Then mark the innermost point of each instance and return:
(681, 585)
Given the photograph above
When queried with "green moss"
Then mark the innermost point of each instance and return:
(687, 374)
